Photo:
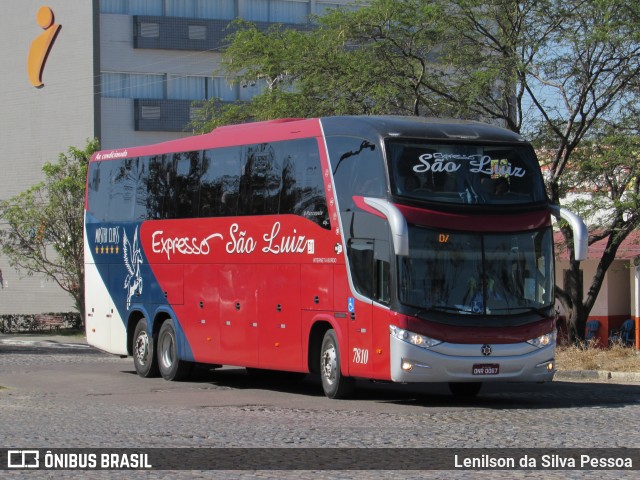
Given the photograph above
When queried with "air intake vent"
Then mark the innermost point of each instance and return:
(150, 113)
(149, 30)
(197, 32)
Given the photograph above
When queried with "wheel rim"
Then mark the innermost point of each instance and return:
(329, 364)
(142, 348)
(167, 350)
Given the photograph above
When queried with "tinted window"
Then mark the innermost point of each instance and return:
(302, 191)
(357, 169)
(360, 254)
(261, 179)
(98, 186)
(123, 181)
(154, 195)
(464, 173)
(220, 182)
(473, 273)
(184, 196)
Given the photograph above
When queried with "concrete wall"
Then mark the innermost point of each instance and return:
(39, 123)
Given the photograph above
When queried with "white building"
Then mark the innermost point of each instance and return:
(123, 71)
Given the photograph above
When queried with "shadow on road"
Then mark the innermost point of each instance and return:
(493, 395)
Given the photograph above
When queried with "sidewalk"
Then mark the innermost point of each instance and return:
(42, 339)
(597, 376)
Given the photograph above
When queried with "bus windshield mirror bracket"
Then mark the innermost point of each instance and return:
(397, 224)
(580, 234)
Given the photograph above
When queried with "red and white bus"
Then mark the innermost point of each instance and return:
(386, 248)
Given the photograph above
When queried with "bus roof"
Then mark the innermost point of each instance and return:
(291, 128)
(418, 127)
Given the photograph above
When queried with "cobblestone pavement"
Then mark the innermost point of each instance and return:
(72, 397)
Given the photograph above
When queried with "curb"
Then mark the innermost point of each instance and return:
(598, 375)
(42, 340)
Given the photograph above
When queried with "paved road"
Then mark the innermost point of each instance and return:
(61, 395)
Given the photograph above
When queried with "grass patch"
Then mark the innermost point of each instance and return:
(616, 358)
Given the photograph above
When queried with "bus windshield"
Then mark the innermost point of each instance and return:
(464, 173)
(481, 274)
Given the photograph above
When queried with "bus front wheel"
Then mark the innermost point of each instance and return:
(144, 358)
(171, 367)
(334, 384)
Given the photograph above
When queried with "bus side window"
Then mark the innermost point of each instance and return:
(99, 205)
(124, 179)
(360, 253)
(220, 182)
(382, 278)
(358, 169)
(370, 268)
(157, 185)
(260, 181)
(302, 191)
(186, 184)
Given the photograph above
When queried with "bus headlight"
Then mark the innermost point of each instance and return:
(543, 340)
(413, 338)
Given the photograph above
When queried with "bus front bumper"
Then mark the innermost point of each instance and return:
(447, 362)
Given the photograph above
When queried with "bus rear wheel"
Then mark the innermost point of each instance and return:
(465, 390)
(334, 384)
(171, 367)
(144, 358)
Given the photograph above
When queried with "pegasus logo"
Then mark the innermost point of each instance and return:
(132, 261)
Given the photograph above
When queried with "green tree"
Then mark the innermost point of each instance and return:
(351, 63)
(557, 71)
(43, 230)
(573, 78)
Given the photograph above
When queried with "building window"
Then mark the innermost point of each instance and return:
(218, 87)
(276, 11)
(132, 7)
(212, 9)
(324, 7)
(180, 87)
(132, 85)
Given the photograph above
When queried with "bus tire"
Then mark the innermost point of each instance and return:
(465, 390)
(144, 358)
(334, 384)
(171, 367)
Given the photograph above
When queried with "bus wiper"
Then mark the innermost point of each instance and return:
(439, 308)
(543, 312)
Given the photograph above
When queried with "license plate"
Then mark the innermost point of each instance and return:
(486, 369)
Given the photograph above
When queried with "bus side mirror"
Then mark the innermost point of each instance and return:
(397, 224)
(580, 234)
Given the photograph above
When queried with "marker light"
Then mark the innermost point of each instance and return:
(413, 338)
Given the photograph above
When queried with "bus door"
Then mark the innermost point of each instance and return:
(360, 308)
(239, 320)
(279, 319)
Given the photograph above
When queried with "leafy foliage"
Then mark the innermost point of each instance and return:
(44, 224)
